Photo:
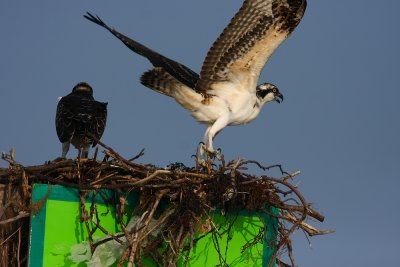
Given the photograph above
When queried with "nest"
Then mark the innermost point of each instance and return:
(192, 194)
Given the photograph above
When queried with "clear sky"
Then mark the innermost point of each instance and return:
(338, 124)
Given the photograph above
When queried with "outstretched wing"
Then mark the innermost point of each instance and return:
(177, 70)
(241, 51)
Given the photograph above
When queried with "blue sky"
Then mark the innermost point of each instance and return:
(339, 123)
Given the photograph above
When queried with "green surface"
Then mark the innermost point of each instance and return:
(57, 227)
(234, 232)
(59, 237)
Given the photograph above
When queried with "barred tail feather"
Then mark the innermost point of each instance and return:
(160, 81)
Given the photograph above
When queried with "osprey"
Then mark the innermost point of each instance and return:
(78, 114)
(226, 91)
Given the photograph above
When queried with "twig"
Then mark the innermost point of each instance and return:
(266, 168)
(16, 218)
(150, 177)
(9, 237)
(141, 153)
(85, 219)
(115, 154)
(19, 247)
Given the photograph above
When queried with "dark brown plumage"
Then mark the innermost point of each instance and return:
(78, 114)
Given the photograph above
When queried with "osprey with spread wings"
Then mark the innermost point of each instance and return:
(227, 91)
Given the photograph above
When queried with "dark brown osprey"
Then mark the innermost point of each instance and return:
(77, 115)
(226, 91)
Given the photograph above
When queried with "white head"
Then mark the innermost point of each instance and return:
(267, 92)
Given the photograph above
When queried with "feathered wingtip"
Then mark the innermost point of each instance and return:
(96, 19)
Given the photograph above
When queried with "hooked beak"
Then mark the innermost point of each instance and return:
(279, 98)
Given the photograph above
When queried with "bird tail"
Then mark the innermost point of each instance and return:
(160, 81)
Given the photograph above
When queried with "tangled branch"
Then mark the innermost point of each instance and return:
(192, 193)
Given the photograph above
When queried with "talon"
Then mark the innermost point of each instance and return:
(219, 155)
(201, 163)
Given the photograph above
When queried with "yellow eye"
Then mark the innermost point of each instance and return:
(274, 90)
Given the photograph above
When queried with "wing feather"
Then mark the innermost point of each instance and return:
(182, 73)
(245, 45)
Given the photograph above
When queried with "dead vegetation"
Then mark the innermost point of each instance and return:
(192, 194)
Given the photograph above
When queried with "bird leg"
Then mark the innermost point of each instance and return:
(206, 149)
(202, 156)
(85, 151)
(209, 152)
(65, 149)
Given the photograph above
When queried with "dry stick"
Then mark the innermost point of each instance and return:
(133, 245)
(282, 264)
(180, 244)
(95, 187)
(120, 213)
(141, 153)
(290, 252)
(83, 204)
(104, 178)
(159, 172)
(121, 161)
(3, 209)
(25, 186)
(97, 224)
(16, 218)
(5, 241)
(112, 151)
(140, 236)
(124, 257)
(67, 165)
(311, 231)
(190, 246)
(85, 219)
(105, 240)
(128, 237)
(39, 168)
(19, 247)
(150, 177)
(285, 237)
(310, 211)
(10, 158)
(265, 178)
(170, 242)
(265, 168)
(160, 222)
(178, 239)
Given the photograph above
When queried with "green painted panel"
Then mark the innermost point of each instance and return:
(57, 227)
(234, 233)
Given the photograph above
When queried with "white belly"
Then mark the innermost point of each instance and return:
(239, 106)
